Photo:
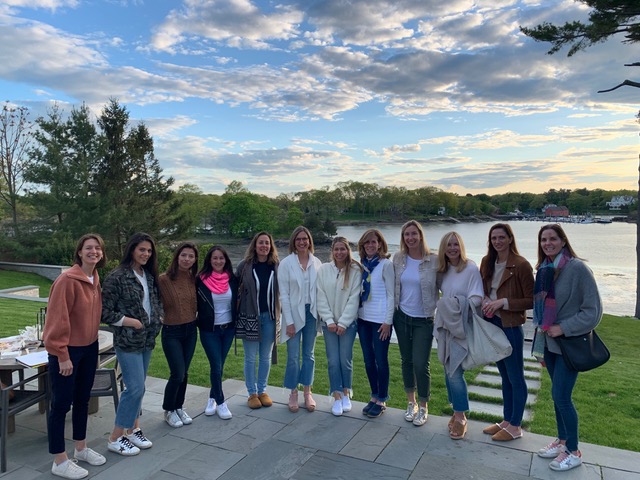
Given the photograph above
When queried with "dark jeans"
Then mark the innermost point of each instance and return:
(511, 368)
(563, 379)
(376, 363)
(71, 390)
(415, 337)
(178, 343)
(216, 345)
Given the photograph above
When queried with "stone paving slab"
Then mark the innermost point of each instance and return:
(496, 380)
(495, 393)
(273, 443)
(492, 369)
(493, 409)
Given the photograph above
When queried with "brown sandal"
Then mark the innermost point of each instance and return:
(492, 429)
(450, 424)
(458, 430)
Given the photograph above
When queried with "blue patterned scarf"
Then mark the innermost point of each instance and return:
(369, 265)
(544, 295)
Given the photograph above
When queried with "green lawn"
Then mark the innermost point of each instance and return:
(608, 399)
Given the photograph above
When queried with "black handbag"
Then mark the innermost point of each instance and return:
(583, 352)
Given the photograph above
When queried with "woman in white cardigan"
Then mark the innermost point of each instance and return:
(297, 276)
(339, 284)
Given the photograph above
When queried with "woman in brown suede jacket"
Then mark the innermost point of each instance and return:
(507, 279)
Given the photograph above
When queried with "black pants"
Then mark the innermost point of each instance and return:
(178, 343)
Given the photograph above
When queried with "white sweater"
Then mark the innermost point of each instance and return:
(335, 303)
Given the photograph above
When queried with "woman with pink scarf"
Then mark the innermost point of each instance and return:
(217, 289)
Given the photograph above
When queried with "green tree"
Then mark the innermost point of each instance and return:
(134, 196)
(15, 137)
(606, 19)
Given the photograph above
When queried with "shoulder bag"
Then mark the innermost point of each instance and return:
(487, 343)
(583, 352)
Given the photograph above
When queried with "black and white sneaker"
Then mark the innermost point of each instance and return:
(123, 446)
(139, 440)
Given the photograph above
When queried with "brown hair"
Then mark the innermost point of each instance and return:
(349, 263)
(250, 255)
(383, 249)
(487, 268)
(563, 236)
(172, 271)
(76, 254)
(292, 239)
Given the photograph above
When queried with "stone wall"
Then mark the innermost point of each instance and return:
(48, 271)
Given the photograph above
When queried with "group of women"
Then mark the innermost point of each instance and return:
(266, 299)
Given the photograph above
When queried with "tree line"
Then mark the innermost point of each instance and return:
(67, 174)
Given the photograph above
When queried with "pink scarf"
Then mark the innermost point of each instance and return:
(218, 283)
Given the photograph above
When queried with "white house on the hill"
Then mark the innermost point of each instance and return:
(619, 201)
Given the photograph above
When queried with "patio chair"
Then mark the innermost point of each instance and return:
(105, 384)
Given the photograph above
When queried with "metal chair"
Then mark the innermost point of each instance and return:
(22, 399)
(105, 384)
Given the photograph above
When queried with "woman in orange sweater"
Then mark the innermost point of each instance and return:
(71, 338)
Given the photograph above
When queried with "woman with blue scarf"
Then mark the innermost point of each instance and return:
(375, 317)
(565, 302)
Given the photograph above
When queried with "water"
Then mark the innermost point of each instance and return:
(610, 251)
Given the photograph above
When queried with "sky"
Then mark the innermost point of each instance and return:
(292, 95)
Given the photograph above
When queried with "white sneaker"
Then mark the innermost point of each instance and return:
(346, 403)
(210, 409)
(139, 440)
(421, 417)
(69, 469)
(184, 416)
(566, 461)
(412, 411)
(223, 411)
(123, 446)
(336, 408)
(90, 456)
(552, 450)
(172, 418)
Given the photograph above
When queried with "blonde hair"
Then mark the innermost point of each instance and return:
(292, 239)
(424, 248)
(443, 260)
(349, 262)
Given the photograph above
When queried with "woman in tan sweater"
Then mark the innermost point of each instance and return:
(179, 334)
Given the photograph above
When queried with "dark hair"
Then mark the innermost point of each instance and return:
(487, 268)
(292, 239)
(152, 264)
(172, 271)
(207, 269)
(563, 236)
(76, 254)
(383, 249)
(250, 255)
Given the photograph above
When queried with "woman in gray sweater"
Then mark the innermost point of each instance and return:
(566, 302)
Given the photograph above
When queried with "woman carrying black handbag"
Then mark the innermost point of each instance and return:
(566, 303)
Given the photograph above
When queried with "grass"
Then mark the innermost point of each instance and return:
(607, 399)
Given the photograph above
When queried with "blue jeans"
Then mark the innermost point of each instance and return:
(457, 390)
(376, 362)
(339, 350)
(178, 343)
(563, 379)
(134, 366)
(73, 390)
(415, 337)
(262, 348)
(216, 345)
(295, 374)
(514, 386)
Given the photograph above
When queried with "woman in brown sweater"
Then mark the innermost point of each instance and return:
(179, 334)
(71, 339)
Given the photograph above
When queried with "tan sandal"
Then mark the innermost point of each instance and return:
(309, 402)
(450, 424)
(293, 402)
(458, 430)
(492, 429)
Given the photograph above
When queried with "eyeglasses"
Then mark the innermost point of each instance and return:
(302, 239)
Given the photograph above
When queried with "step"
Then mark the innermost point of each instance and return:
(496, 393)
(492, 369)
(496, 380)
(493, 409)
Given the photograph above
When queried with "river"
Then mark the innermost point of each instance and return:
(610, 251)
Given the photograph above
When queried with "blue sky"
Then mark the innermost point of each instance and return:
(293, 95)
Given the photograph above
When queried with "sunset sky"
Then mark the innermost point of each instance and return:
(293, 95)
